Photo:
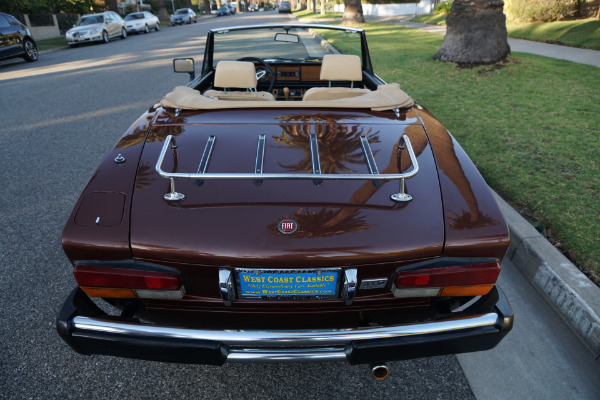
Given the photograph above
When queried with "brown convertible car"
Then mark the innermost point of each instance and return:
(287, 205)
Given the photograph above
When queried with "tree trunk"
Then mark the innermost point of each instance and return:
(163, 15)
(353, 13)
(476, 33)
(323, 6)
(207, 9)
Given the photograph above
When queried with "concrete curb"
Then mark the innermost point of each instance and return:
(574, 296)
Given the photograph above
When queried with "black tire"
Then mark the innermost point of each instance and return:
(123, 33)
(105, 38)
(31, 52)
(157, 28)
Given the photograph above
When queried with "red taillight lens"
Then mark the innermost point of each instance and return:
(100, 281)
(464, 280)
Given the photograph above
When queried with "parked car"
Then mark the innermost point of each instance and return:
(183, 16)
(141, 21)
(253, 7)
(99, 27)
(285, 7)
(232, 8)
(16, 39)
(223, 10)
(288, 205)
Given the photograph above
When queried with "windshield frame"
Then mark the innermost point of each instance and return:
(207, 64)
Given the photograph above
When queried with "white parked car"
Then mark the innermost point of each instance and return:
(97, 28)
(142, 21)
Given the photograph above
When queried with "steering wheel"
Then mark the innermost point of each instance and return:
(265, 74)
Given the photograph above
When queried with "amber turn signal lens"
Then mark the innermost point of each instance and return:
(109, 292)
(477, 290)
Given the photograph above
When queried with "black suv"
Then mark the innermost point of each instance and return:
(16, 39)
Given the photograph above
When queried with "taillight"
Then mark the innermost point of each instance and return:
(105, 282)
(464, 280)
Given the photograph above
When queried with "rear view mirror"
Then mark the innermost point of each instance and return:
(287, 37)
(185, 65)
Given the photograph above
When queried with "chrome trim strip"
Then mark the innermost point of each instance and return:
(314, 157)
(292, 25)
(287, 355)
(260, 158)
(350, 285)
(226, 286)
(364, 142)
(282, 339)
(242, 175)
(206, 155)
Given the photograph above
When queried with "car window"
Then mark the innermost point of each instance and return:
(3, 22)
(181, 11)
(134, 16)
(90, 20)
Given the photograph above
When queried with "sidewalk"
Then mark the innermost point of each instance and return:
(575, 297)
(581, 56)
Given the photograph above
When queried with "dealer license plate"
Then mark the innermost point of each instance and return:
(288, 284)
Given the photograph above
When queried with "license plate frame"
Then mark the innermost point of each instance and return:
(301, 284)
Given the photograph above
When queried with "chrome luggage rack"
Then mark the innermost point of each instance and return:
(317, 177)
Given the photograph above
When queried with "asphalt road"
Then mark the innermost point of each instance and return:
(58, 118)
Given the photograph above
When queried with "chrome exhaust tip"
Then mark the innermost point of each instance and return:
(380, 371)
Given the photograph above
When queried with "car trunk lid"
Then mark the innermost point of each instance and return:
(235, 222)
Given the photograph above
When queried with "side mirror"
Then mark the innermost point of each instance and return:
(184, 65)
(109, 20)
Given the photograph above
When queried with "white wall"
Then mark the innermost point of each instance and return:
(388, 10)
(43, 32)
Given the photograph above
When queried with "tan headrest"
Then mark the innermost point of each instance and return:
(235, 74)
(341, 67)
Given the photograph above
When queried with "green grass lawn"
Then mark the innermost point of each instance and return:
(431, 19)
(580, 33)
(532, 127)
(311, 15)
(583, 33)
(47, 44)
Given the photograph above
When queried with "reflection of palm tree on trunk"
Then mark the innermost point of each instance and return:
(450, 165)
(367, 189)
(339, 146)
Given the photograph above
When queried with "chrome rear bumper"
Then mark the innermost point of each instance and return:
(92, 333)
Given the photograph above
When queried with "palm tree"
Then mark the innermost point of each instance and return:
(476, 33)
(353, 12)
(162, 11)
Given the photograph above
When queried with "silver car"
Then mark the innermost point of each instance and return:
(142, 21)
(183, 16)
(97, 28)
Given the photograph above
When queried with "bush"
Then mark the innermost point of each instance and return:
(443, 8)
(541, 10)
